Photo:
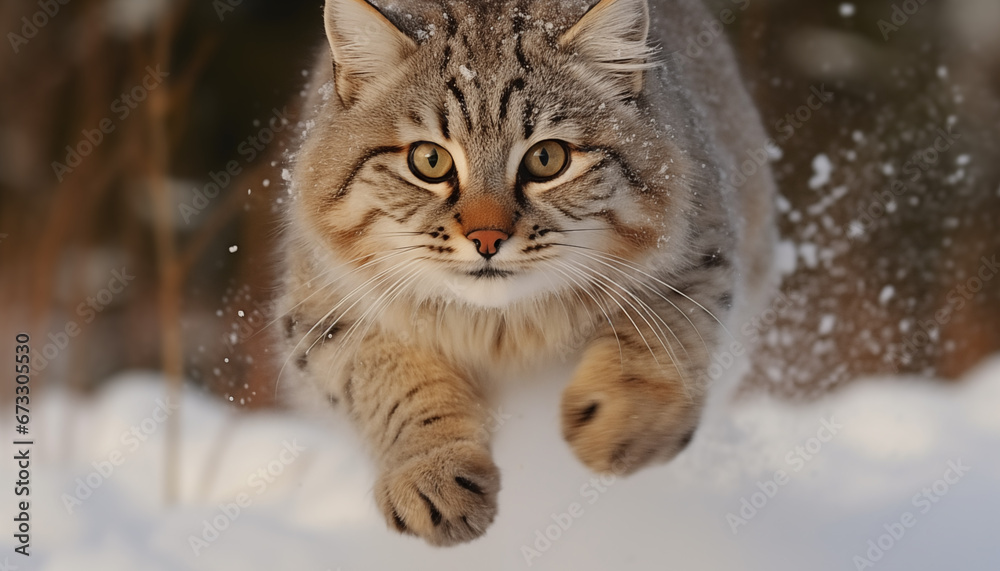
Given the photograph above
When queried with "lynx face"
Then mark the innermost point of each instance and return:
(499, 154)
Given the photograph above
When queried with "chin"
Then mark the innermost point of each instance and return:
(496, 290)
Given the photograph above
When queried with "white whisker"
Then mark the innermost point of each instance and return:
(395, 252)
(644, 308)
(639, 270)
(620, 306)
(600, 306)
(652, 289)
(375, 281)
(657, 330)
(401, 282)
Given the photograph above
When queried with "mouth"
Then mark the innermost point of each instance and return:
(490, 274)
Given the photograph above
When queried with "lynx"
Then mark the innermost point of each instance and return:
(484, 185)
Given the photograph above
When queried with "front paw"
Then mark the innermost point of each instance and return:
(617, 419)
(446, 496)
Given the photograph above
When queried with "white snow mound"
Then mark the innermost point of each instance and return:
(894, 474)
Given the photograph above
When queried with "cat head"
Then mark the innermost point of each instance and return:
(489, 151)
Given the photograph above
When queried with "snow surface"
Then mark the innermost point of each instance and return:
(897, 438)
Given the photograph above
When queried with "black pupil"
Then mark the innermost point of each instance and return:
(543, 157)
(432, 158)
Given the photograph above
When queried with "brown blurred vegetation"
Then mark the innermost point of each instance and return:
(121, 206)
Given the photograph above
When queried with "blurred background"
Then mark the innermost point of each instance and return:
(142, 150)
(142, 144)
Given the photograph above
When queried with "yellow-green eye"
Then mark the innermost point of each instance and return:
(546, 160)
(430, 162)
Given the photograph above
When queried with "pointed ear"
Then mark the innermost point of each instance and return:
(612, 35)
(365, 44)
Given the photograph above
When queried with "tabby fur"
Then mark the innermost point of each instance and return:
(633, 259)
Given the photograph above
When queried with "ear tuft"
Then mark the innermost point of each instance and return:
(612, 35)
(365, 44)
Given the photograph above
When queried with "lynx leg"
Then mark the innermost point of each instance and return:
(424, 422)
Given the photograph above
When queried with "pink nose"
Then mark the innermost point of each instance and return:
(487, 241)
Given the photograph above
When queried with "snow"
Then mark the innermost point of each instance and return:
(827, 324)
(886, 294)
(827, 201)
(826, 478)
(822, 169)
(467, 73)
(808, 252)
(326, 90)
(785, 257)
